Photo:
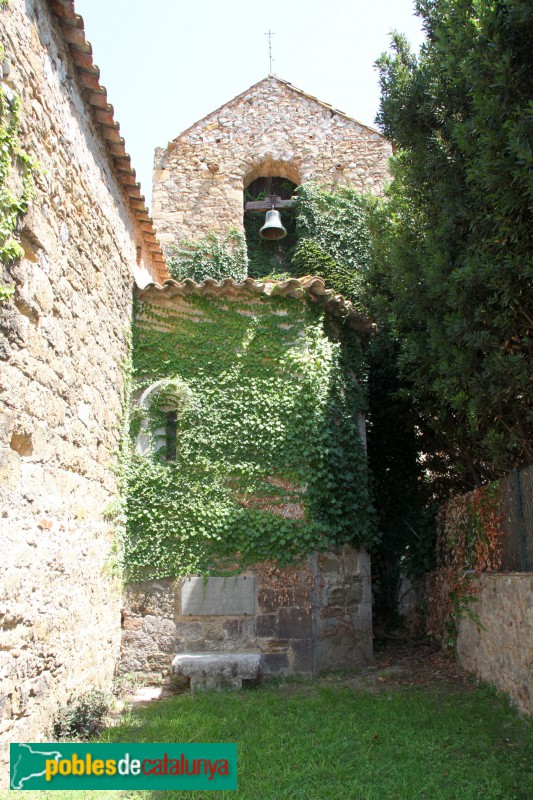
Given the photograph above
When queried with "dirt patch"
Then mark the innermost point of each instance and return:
(398, 663)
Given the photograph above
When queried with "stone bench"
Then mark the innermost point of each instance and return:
(217, 670)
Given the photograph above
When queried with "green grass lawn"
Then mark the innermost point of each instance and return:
(304, 741)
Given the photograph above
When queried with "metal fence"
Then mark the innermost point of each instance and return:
(517, 511)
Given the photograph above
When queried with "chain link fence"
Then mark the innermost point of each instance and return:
(517, 512)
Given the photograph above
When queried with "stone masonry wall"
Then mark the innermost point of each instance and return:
(272, 129)
(63, 339)
(500, 648)
(306, 619)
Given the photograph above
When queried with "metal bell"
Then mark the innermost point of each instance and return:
(272, 229)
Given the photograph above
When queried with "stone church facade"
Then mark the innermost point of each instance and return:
(88, 240)
(270, 130)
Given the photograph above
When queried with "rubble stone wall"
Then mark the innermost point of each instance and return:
(63, 341)
(498, 645)
(271, 130)
(310, 618)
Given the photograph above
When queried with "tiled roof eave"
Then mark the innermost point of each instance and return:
(310, 287)
(73, 32)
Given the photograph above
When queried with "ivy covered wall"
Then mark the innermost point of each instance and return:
(16, 179)
(265, 393)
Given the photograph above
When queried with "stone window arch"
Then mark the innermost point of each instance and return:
(161, 407)
(272, 168)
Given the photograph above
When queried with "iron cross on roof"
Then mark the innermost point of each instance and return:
(270, 34)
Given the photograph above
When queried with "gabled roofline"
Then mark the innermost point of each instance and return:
(327, 105)
(292, 88)
(72, 29)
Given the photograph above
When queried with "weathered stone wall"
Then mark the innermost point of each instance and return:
(344, 625)
(500, 648)
(272, 129)
(63, 339)
(306, 619)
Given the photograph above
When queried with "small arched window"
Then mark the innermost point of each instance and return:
(171, 435)
(162, 405)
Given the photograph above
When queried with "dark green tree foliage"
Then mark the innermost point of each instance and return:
(403, 496)
(453, 264)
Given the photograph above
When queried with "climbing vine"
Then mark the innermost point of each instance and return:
(332, 237)
(326, 235)
(269, 258)
(213, 256)
(16, 178)
(470, 540)
(264, 461)
(470, 534)
(269, 462)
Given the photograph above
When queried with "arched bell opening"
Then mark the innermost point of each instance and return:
(269, 167)
(269, 225)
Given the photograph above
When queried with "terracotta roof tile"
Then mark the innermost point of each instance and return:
(73, 31)
(309, 287)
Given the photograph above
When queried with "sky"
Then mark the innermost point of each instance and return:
(168, 63)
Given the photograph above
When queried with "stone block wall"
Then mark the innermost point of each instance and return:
(272, 129)
(498, 647)
(344, 625)
(63, 341)
(305, 619)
